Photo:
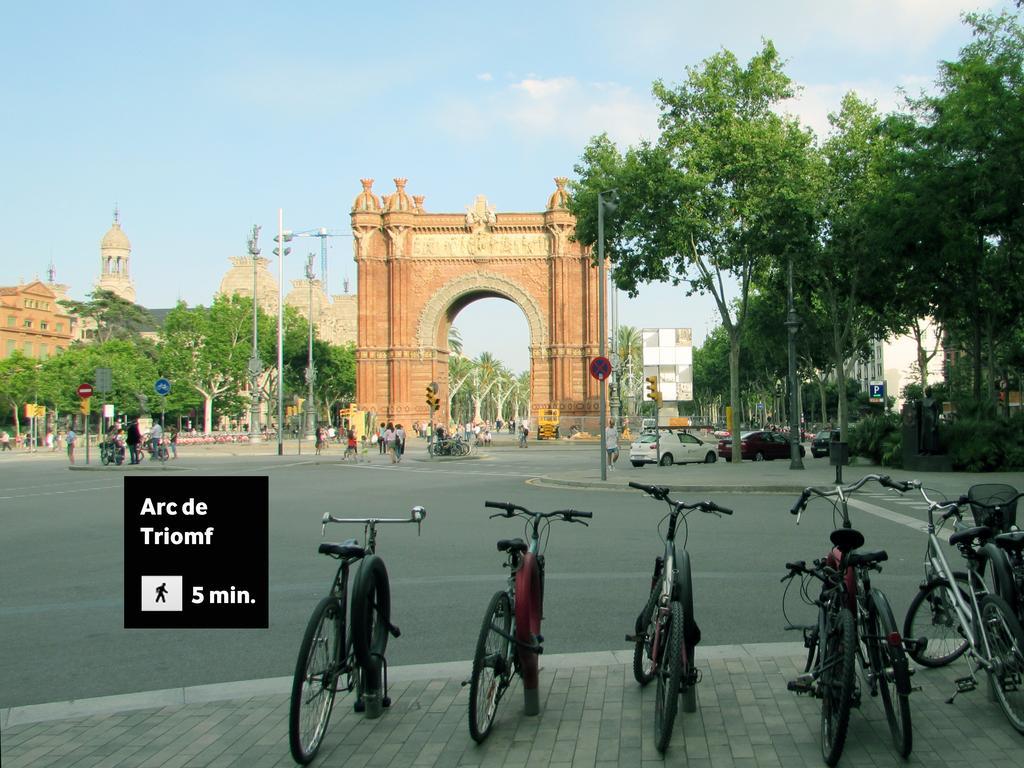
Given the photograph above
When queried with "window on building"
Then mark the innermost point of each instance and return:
(27, 323)
(26, 347)
(11, 346)
(43, 352)
(43, 325)
(11, 321)
(60, 327)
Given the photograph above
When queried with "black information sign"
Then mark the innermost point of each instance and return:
(196, 552)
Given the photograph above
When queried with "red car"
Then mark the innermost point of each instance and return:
(758, 446)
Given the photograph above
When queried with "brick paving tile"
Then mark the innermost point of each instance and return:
(591, 717)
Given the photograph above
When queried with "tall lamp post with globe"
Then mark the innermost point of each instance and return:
(255, 364)
(606, 201)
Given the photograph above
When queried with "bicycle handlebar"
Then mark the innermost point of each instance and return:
(884, 480)
(661, 492)
(513, 509)
(416, 515)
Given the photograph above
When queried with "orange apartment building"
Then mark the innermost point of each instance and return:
(32, 322)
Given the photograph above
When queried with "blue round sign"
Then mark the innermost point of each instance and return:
(162, 387)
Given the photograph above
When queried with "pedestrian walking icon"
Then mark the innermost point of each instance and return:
(162, 593)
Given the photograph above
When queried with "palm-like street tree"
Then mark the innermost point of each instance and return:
(630, 345)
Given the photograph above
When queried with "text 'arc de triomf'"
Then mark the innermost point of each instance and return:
(418, 270)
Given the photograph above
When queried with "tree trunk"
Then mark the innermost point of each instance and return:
(734, 392)
(823, 395)
(207, 414)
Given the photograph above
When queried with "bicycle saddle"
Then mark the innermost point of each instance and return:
(516, 545)
(1012, 541)
(847, 539)
(867, 558)
(347, 549)
(968, 535)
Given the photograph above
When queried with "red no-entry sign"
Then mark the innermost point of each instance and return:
(85, 390)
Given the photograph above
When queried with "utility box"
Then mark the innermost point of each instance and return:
(838, 454)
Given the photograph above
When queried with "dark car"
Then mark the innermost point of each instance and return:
(759, 446)
(819, 445)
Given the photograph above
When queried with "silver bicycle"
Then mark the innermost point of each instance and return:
(956, 614)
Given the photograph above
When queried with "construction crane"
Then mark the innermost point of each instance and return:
(323, 233)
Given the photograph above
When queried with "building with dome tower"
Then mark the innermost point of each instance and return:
(115, 254)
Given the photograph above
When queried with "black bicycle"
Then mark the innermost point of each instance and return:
(666, 634)
(332, 661)
(855, 625)
(454, 446)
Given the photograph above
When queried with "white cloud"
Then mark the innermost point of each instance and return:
(485, 76)
(815, 101)
(556, 107)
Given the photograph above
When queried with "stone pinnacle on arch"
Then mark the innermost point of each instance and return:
(399, 200)
(559, 199)
(366, 200)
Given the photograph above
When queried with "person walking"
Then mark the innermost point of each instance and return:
(399, 441)
(174, 442)
(611, 443)
(380, 439)
(5, 440)
(156, 434)
(134, 438)
(72, 437)
(389, 441)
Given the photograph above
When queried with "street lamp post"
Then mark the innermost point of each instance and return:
(310, 371)
(281, 251)
(793, 325)
(605, 200)
(255, 364)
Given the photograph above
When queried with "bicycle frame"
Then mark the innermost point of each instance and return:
(968, 616)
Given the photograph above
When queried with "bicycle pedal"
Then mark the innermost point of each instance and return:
(631, 638)
(395, 631)
(387, 701)
(803, 684)
(539, 639)
(695, 677)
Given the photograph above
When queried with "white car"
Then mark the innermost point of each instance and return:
(671, 446)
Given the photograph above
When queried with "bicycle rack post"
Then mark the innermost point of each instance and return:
(690, 699)
(531, 699)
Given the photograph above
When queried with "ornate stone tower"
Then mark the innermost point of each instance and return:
(115, 251)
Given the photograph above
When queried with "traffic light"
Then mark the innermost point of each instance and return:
(652, 389)
(287, 238)
(83, 406)
(433, 402)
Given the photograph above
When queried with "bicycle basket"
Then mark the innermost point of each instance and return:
(1001, 518)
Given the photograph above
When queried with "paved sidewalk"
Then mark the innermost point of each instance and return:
(764, 477)
(592, 714)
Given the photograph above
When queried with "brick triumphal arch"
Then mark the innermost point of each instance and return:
(418, 270)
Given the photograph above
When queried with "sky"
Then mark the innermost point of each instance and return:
(199, 120)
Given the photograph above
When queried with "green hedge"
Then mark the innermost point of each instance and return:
(985, 445)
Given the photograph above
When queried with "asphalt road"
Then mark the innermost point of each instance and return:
(61, 567)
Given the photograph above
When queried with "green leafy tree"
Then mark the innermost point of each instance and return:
(115, 318)
(960, 208)
(17, 374)
(850, 272)
(208, 348)
(720, 195)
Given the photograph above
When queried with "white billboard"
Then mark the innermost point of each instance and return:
(668, 354)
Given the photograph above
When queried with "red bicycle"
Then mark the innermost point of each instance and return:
(510, 637)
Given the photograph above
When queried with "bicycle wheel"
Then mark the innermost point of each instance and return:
(643, 663)
(1006, 639)
(104, 456)
(315, 681)
(931, 616)
(892, 673)
(492, 666)
(670, 677)
(836, 682)
(995, 570)
(371, 614)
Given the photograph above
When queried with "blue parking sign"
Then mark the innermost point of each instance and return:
(876, 391)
